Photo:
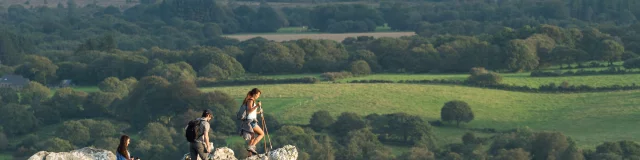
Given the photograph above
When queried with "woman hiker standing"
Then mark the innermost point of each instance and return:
(249, 127)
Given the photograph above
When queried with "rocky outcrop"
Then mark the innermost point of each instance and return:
(87, 153)
(287, 152)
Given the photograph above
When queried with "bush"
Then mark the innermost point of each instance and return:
(321, 120)
(632, 63)
(259, 81)
(333, 76)
(480, 76)
(360, 68)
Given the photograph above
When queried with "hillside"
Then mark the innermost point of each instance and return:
(571, 114)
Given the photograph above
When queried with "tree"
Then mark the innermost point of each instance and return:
(211, 30)
(360, 68)
(174, 72)
(519, 56)
(4, 142)
(38, 68)
(155, 131)
(110, 144)
(610, 51)
(224, 125)
(56, 145)
(632, 63)
(8, 95)
(75, 71)
(458, 111)
(34, 93)
(276, 58)
(418, 153)
(114, 85)
(17, 119)
(512, 154)
(68, 102)
(75, 132)
(321, 120)
(346, 122)
(99, 104)
(99, 128)
(213, 71)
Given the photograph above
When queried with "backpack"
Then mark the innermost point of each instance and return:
(192, 130)
(242, 113)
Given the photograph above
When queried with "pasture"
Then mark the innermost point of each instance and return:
(589, 118)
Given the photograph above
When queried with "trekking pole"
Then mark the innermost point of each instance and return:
(267, 132)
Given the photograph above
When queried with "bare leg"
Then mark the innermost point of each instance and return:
(260, 133)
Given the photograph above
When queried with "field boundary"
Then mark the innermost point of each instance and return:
(550, 88)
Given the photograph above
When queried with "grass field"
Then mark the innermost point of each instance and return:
(589, 118)
(6, 156)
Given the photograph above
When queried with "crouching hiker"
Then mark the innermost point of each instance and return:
(197, 134)
(248, 113)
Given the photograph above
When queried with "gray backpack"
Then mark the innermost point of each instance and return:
(242, 113)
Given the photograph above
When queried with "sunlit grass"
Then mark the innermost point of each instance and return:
(589, 118)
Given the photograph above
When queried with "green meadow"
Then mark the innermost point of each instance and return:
(589, 118)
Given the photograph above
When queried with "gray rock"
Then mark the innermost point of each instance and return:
(287, 152)
(87, 153)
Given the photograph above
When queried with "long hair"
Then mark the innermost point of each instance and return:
(250, 95)
(122, 147)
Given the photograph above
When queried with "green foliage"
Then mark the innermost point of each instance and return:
(225, 125)
(75, 132)
(6, 70)
(347, 121)
(610, 51)
(154, 132)
(321, 120)
(417, 153)
(114, 85)
(520, 57)
(34, 93)
(213, 71)
(110, 144)
(68, 102)
(174, 72)
(277, 58)
(8, 95)
(403, 127)
(458, 111)
(37, 68)
(4, 142)
(632, 63)
(99, 128)
(512, 154)
(481, 76)
(56, 145)
(360, 68)
(17, 119)
(99, 104)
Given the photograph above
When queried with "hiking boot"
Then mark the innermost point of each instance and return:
(252, 149)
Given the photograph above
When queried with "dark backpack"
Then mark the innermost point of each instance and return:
(193, 129)
(242, 113)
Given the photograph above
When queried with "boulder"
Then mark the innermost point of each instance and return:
(87, 153)
(287, 152)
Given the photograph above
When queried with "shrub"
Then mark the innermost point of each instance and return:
(321, 120)
(360, 68)
(333, 76)
(481, 76)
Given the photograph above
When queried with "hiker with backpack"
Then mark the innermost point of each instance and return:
(248, 114)
(197, 134)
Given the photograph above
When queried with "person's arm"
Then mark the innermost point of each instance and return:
(206, 138)
(250, 107)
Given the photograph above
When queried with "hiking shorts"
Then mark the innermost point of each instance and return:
(254, 123)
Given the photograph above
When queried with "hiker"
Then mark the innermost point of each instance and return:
(123, 151)
(199, 145)
(250, 125)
